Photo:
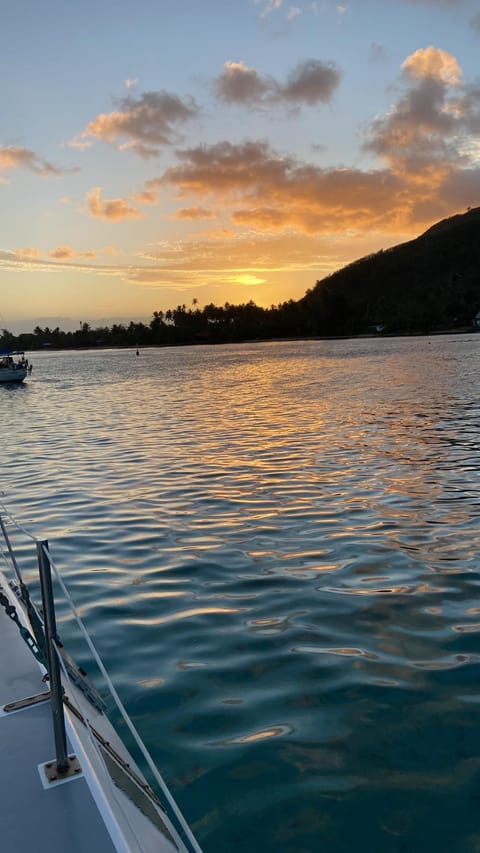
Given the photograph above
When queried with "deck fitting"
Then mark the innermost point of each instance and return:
(51, 775)
(21, 704)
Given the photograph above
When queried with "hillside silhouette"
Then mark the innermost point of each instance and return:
(429, 284)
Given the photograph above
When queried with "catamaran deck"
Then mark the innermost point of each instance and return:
(63, 818)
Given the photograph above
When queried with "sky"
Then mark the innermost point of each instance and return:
(160, 153)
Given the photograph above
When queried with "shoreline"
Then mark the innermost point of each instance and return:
(290, 338)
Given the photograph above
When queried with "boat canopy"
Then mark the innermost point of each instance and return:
(11, 352)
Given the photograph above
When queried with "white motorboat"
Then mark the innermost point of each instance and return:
(67, 781)
(13, 366)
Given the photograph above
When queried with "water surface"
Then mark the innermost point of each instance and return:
(275, 549)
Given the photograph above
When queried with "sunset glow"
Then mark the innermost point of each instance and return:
(217, 152)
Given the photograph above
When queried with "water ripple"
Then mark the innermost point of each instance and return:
(275, 549)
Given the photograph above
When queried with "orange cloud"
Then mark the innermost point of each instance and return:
(12, 157)
(247, 252)
(28, 252)
(246, 259)
(59, 253)
(220, 234)
(194, 213)
(113, 209)
(434, 63)
(146, 197)
(62, 253)
(34, 260)
(242, 177)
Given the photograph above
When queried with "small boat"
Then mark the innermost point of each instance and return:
(13, 366)
(67, 780)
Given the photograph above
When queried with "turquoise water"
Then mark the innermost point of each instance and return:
(275, 548)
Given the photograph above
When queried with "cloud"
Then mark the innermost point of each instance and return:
(170, 264)
(269, 192)
(423, 135)
(33, 259)
(62, 253)
(131, 82)
(248, 259)
(475, 22)
(245, 253)
(434, 64)
(28, 252)
(220, 234)
(81, 144)
(271, 6)
(243, 85)
(113, 209)
(12, 157)
(194, 213)
(377, 52)
(146, 197)
(143, 124)
(310, 82)
(293, 12)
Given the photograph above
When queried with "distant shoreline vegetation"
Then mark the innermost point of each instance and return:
(227, 324)
(427, 285)
(181, 325)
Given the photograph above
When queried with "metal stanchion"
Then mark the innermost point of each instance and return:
(62, 765)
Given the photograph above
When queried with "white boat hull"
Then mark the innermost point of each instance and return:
(12, 374)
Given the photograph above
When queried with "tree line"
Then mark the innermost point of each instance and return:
(181, 325)
(324, 311)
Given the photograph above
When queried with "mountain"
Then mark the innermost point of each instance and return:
(431, 283)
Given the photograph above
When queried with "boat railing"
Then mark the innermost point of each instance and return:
(48, 649)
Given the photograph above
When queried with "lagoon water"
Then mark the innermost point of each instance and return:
(275, 548)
